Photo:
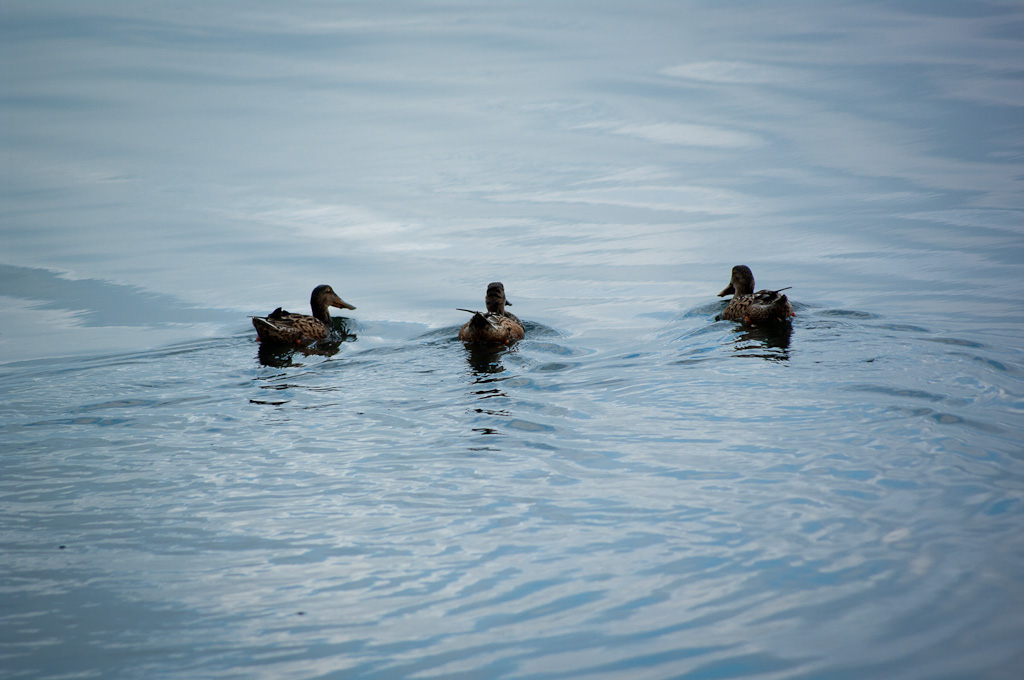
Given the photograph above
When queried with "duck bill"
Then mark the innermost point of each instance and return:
(341, 304)
(729, 290)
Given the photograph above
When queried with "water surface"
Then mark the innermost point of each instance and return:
(635, 490)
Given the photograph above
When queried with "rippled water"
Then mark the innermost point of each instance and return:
(636, 490)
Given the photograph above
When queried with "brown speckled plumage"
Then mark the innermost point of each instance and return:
(286, 328)
(495, 325)
(764, 306)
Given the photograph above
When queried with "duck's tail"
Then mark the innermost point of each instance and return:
(479, 320)
(264, 328)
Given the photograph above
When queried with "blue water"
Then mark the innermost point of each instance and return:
(636, 490)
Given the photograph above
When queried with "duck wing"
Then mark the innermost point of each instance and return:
(769, 306)
(764, 306)
(491, 327)
(286, 327)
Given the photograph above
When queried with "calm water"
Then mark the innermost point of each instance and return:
(636, 490)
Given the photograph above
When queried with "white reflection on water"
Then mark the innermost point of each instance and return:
(417, 140)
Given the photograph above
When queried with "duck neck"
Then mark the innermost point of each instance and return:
(495, 303)
(321, 313)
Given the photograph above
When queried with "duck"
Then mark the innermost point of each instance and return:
(762, 307)
(286, 328)
(495, 325)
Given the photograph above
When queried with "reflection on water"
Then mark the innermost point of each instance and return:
(621, 494)
(769, 341)
(485, 358)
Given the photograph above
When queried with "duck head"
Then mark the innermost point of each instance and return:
(741, 283)
(323, 297)
(495, 298)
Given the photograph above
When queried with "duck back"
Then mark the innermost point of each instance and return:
(764, 306)
(284, 327)
(491, 327)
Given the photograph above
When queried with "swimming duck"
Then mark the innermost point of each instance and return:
(764, 306)
(299, 329)
(494, 325)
